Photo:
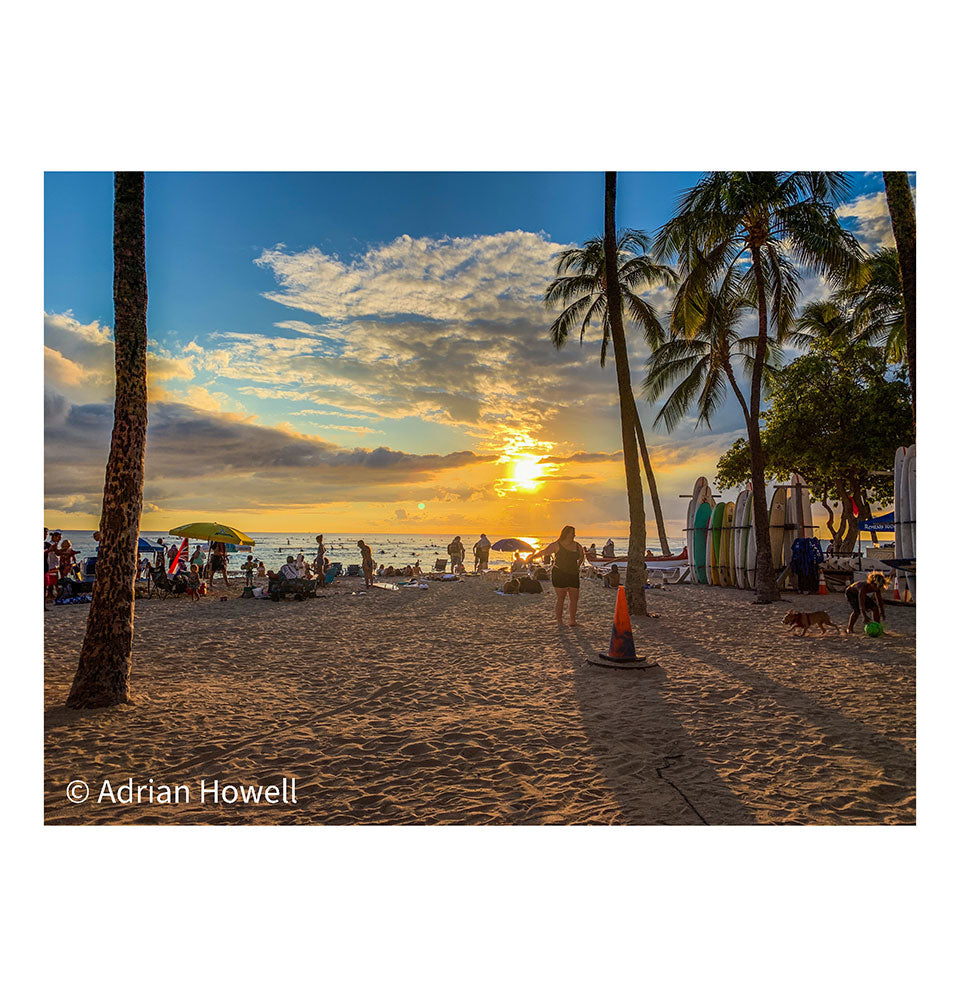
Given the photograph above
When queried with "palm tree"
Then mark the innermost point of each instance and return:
(827, 321)
(764, 226)
(581, 286)
(701, 363)
(103, 673)
(636, 574)
(904, 220)
(876, 303)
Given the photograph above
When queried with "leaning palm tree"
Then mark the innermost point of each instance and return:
(636, 574)
(581, 286)
(699, 366)
(876, 304)
(767, 227)
(103, 674)
(904, 220)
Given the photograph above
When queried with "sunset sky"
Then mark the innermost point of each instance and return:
(336, 352)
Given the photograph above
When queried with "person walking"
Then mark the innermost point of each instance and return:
(318, 563)
(568, 555)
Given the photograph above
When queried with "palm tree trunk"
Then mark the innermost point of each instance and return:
(103, 673)
(904, 220)
(651, 480)
(636, 574)
(767, 590)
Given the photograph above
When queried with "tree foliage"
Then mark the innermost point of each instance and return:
(836, 416)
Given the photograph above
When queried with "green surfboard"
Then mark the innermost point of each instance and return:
(701, 526)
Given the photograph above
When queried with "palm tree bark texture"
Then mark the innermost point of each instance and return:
(103, 674)
(636, 574)
(904, 221)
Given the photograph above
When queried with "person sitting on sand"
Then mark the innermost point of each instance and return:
(261, 570)
(416, 569)
(518, 564)
(608, 549)
(591, 553)
(611, 579)
(366, 560)
(565, 576)
(289, 570)
(865, 597)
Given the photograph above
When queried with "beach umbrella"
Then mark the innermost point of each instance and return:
(212, 532)
(145, 546)
(512, 543)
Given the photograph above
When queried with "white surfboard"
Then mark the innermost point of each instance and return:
(750, 544)
(909, 485)
(802, 507)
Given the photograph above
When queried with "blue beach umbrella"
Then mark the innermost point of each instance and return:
(511, 543)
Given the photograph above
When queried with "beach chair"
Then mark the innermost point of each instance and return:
(441, 564)
(299, 588)
(164, 586)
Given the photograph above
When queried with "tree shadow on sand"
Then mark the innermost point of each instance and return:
(652, 766)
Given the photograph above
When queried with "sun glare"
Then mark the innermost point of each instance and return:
(526, 473)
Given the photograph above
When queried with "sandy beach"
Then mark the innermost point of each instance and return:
(458, 705)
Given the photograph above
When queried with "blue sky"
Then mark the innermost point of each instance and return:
(380, 318)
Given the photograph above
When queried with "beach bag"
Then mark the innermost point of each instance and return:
(529, 585)
(542, 575)
(511, 587)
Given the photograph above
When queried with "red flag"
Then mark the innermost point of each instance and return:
(176, 560)
(856, 508)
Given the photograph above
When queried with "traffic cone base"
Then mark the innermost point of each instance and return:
(622, 652)
(823, 590)
(896, 587)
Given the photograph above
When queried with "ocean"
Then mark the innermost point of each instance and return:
(397, 549)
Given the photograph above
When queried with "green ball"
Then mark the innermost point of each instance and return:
(873, 629)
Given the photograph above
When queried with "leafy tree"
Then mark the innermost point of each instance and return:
(767, 227)
(581, 286)
(103, 673)
(836, 417)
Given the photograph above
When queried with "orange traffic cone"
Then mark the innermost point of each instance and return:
(823, 585)
(623, 652)
(896, 587)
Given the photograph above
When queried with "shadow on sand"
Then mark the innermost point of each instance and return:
(652, 766)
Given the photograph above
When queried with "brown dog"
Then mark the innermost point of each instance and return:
(801, 622)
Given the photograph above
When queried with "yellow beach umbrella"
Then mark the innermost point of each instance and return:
(213, 532)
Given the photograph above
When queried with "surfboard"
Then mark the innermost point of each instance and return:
(726, 545)
(778, 512)
(802, 507)
(898, 500)
(909, 485)
(700, 486)
(701, 528)
(737, 555)
(716, 539)
(750, 544)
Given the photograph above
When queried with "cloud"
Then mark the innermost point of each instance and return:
(201, 459)
(869, 219)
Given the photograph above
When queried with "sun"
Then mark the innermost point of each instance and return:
(526, 474)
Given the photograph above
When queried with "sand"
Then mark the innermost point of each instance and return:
(457, 705)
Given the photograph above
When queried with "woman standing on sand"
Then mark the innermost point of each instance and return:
(565, 578)
(366, 557)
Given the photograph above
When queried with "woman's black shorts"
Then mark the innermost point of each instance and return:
(564, 579)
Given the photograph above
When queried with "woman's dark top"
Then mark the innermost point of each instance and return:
(566, 568)
(853, 597)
